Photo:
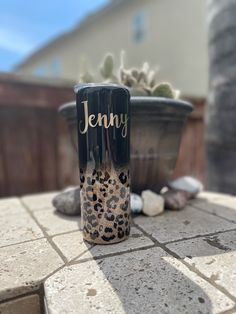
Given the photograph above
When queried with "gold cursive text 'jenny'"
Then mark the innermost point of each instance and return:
(103, 120)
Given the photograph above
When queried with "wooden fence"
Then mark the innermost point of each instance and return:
(36, 154)
(191, 159)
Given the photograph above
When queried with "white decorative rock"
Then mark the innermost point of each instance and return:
(188, 184)
(153, 204)
(136, 203)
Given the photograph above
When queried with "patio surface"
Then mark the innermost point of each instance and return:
(179, 262)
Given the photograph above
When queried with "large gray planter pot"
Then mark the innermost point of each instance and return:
(156, 129)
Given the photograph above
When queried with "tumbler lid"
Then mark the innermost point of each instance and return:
(99, 86)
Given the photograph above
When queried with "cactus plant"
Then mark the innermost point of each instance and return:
(163, 90)
(85, 76)
(107, 68)
(141, 82)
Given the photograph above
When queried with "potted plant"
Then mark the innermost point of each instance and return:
(157, 121)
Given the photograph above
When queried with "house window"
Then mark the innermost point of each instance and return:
(56, 66)
(138, 27)
(40, 71)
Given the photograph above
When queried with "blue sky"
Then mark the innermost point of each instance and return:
(27, 24)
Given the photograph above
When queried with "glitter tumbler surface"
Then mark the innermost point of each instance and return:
(103, 113)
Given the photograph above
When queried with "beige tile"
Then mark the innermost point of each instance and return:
(207, 195)
(71, 244)
(55, 223)
(136, 240)
(24, 266)
(39, 201)
(18, 228)
(222, 207)
(145, 281)
(26, 305)
(11, 206)
(182, 224)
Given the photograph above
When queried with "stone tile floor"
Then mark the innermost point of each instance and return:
(179, 262)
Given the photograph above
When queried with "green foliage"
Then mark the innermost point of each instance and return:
(163, 90)
(107, 66)
(86, 77)
(141, 82)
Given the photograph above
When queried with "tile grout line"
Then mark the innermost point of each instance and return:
(213, 214)
(199, 236)
(63, 233)
(81, 254)
(52, 273)
(39, 209)
(75, 259)
(209, 213)
(47, 236)
(40, 238)
(231, 311)
(49, 239)
(26, 294)
(18, 243)
(156, 244)
(110, 255)
(41, 298)
(190, 267)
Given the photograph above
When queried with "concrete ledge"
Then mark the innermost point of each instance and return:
(179, 262)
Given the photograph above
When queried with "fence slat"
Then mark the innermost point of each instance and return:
(35, 149)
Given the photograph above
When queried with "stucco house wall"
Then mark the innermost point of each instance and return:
(169, 34)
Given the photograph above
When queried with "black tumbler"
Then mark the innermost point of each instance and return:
(103, 115)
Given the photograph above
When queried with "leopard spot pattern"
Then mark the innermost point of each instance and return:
(105, 205)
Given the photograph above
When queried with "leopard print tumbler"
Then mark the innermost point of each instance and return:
(103, 112)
